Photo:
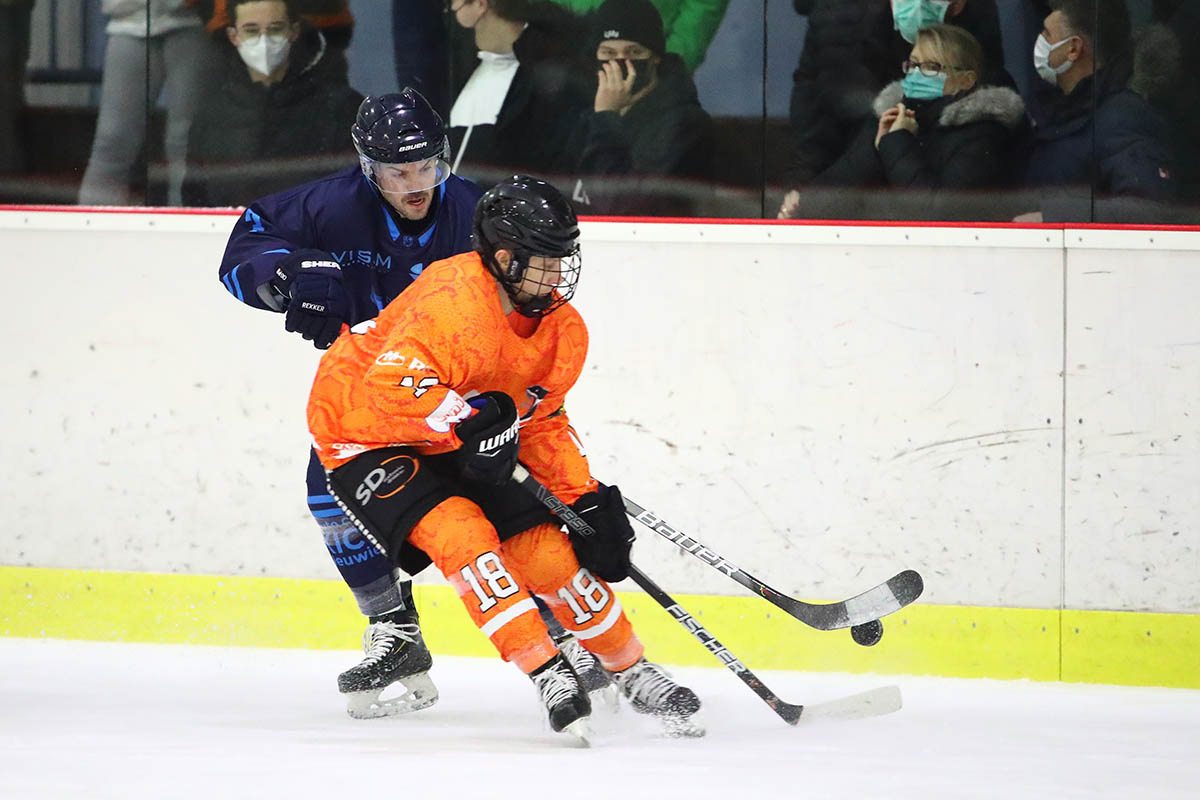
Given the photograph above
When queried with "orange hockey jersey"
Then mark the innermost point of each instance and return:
(404, 378)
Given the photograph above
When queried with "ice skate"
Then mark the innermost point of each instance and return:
(593, 678)
(396, 657)
(566, 703)
(650, 690)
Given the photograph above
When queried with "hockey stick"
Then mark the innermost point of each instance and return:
(886, 598)
(866, 704)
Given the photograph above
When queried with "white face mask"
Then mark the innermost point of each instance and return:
(264, 53)
(1041, 59)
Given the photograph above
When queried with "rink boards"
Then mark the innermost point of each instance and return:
(1011, 411)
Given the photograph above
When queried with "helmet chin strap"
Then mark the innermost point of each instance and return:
(534, 308)
(509, 282)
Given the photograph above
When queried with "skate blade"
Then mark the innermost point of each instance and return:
(606, 697)
(580, 731)
(419, 693)
(680, 727)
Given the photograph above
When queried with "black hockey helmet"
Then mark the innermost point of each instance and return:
(401, 128)
(529, 217)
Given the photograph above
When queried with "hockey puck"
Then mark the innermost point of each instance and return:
(867, 634)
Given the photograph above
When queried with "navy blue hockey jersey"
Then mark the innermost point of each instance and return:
(344, 215)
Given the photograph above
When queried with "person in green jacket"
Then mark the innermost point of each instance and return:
(690, 25)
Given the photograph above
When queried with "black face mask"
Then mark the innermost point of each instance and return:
(645, 71)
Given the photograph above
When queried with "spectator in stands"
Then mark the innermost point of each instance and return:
(278, 101)
(331, 17)
(646, 119)
(1103, 137)
(173, 45)
(523, 100)
(14, 52)
(689, 25)
(853, 49)
(938, 129)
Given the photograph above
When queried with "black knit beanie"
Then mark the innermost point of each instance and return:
(631, 20)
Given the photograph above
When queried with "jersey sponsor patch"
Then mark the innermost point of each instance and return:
(452, 409)
(390, 359)
(387, 479)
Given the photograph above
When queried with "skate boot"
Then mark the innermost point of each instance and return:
(565, 701)
(395, 654)
(650, 690)
(593, 678)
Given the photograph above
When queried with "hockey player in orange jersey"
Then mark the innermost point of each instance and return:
(420, 416)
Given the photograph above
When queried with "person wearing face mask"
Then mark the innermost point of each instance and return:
(646, 119)
(276, 115)
(1101, 139)
(331, 17)
(939, 128)
(521, 98)
(154, 46)
(895, 31)
(851, 51)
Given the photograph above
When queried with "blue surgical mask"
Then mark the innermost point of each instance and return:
(922, 87)
(911, 16)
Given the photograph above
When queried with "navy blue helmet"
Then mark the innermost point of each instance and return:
(401, 128)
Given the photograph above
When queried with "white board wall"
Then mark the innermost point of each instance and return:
(823, 405)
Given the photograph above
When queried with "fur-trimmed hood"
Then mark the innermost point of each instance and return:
(984, 103)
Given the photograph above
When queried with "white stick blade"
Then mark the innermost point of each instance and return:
(873, 703)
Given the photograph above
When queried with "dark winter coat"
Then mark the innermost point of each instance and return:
(1102, 135)
(666, 133)
(962, 142)
(1181, 104)
(832, 86)
(250, 140)
(540, 112)
(851, 51)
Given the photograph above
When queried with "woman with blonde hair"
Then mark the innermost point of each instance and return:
(937, 128)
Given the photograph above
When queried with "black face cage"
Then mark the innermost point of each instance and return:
(550, 293)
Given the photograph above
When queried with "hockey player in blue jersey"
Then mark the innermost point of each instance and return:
(336, 251)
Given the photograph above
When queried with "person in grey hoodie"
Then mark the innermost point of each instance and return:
(169, 37)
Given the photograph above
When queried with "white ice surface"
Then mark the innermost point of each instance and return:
(92, 720)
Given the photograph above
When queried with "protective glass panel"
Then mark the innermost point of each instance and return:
(1029, 110)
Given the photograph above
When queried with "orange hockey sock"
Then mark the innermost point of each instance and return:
(583, 603)
(463, 544)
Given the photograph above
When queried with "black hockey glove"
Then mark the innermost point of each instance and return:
(606, 552)
(489, 439)
(308, 287)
